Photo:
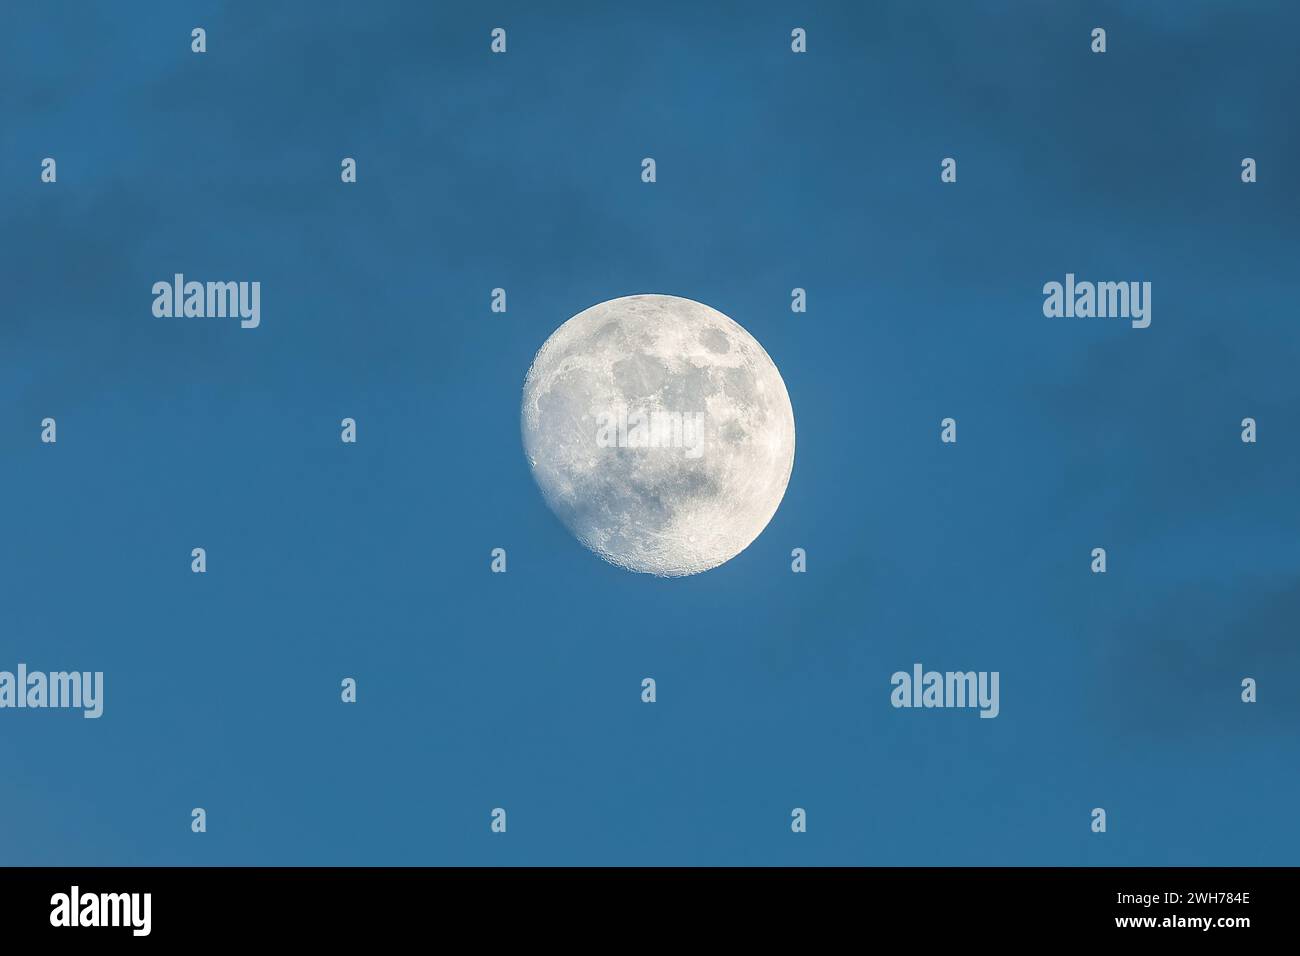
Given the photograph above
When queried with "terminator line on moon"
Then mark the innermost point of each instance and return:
(666, 510)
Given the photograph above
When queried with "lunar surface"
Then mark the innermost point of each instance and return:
(659, 431)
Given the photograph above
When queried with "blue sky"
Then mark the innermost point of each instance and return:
(522, 690)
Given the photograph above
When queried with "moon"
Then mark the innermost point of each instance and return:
(659, 432)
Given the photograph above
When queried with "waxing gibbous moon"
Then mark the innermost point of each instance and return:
(660, 433)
